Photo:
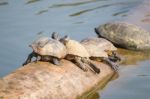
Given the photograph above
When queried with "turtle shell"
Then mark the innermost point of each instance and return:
(125, 35)
(97, 46)
(75, 48)
(47, 46)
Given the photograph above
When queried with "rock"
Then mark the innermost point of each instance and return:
(125, 35)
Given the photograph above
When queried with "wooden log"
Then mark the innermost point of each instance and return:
(43, 80)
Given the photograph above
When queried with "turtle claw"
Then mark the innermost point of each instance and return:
(30, 56)
(113, 65)
(24, 63)
(56, 62)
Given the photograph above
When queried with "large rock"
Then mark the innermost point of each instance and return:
(125, 35)
(43, 80)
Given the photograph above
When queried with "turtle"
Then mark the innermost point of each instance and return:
(99, 49)
(77, 53)
(47, 49)
(125, 35)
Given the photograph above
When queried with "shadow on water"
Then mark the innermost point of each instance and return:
(93, 94)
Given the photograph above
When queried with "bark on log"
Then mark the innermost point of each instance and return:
(43, 80)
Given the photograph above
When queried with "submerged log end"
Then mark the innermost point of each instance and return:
(43, 80)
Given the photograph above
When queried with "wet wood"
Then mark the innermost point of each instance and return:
(43, 80)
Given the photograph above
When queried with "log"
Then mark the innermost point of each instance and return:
(43, 80)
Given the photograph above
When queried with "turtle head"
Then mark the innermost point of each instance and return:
(55, 36)
(38, 46)
(65, 39)
(34, 47)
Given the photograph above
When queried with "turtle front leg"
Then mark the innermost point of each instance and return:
(115, 57)
(30, 56)
(80, 63)
(56, 61)
(113, 65)
(92, 65)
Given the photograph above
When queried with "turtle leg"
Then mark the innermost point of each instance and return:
(56, 61)
(80, 63)
(93, 66)
(113, 65)
(30, 56)
(115, 57)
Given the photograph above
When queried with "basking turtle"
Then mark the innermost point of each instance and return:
(76, 52)
(125, 35)
(47, 49)
(100, 49)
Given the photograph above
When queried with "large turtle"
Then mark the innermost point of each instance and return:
(125, 35)
(76, 52)
(100, 49)
(47, 49)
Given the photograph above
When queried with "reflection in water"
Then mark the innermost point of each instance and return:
(74, 4)
(103, 6)
(40, 33)
(78, 22)
(133, 57)
(140, 15)
(87, 10)
(93, 94)
(143, 75)
(121, 13)
(3, 3)
(147, 15)
(32, 1)
(90, 9)
(42, 11)
(145, 20)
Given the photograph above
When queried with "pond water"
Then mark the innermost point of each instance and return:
(21, 21)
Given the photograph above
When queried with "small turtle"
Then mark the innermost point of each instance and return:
(125, 35)
(99, 49)
(47, 49)
(76, 52)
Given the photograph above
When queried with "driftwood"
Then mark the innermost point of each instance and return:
(43, 80)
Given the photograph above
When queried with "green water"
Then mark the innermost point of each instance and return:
(21, 21)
